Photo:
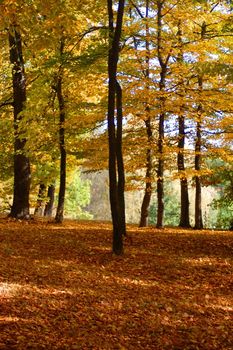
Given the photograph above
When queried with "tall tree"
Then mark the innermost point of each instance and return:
(198, 146)
(61, 103)
(184, 195)
(116, 171)
(148, 177)
(163, 63)
(20, 206)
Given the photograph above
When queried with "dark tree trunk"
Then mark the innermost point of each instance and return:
(120, 162)
(22, 174)
(40, 200)
(148, 189)
(184, 195)
(116, 183)
(198, 208)
(49, 205)
(61, 102)
(160, 173)
(62, 187)
(198, 144)
(163, 62)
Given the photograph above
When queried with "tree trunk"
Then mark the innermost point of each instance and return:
(163, 62)
(198, 144)
(184, 195)
(198, 208)
(120, 162)
(114, 136)
(148, 189)
(22, 174)
(160, 173)
(61, 103)
(62, 187)
(40, 200)
(49, 205)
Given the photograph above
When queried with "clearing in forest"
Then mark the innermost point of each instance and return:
(61, 288)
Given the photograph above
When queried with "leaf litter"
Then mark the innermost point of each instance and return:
(61, 288)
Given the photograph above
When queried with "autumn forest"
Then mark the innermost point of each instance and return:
(140, 91)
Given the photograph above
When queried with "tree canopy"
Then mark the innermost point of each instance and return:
(153, 79)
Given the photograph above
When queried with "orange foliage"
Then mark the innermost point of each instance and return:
(61, 288)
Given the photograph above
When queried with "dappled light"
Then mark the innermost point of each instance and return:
(9, 290)
(170, 290)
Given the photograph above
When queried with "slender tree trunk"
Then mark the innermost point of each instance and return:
(160, 173)
(40, 200)
(62, 187)
(163, 62)
(49, 205)
(120, 162)
(148, 189)
(198, 201)
(198, 144)
(115, 156)
(184, 195)
(22, 174)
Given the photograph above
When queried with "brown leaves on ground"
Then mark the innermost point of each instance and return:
(61, 288)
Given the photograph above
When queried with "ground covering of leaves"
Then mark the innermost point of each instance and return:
(61, 288)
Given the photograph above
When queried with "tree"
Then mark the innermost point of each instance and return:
(148, 177)
(49, 205)
(116, 170)
(20, 206)
(61, 103)
(163, 60)
(184, 196)
(40, 200)
(78, 197)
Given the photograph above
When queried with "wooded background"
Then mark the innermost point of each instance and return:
(141, 88)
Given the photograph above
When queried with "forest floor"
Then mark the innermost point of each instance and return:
(61, 288)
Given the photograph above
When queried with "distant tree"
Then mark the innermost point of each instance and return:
(50, 201)
(78, 197)
(222, 180)
(40, 200)
(172, 207)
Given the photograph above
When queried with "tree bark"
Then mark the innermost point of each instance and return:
(198, 144)
(62, 188)
(116, 180)
(49, 205)
(163, 62)
(184, 195)
(40, 200)
(22, 174)
(198, 201)
(148, 178)
(148, 189)
(160, 173)
(120, 161)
